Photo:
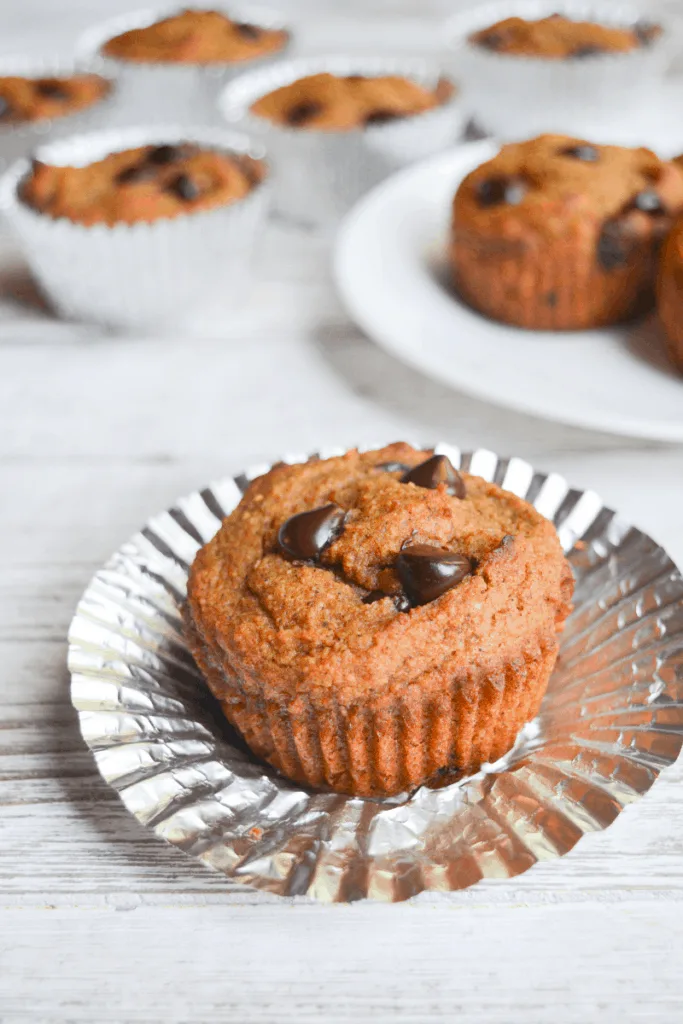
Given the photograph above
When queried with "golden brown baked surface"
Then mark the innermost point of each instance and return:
(338, 103)
(196, 37)
(348, 648)
(35, 99)
(562, 233)
(141, 184)
(558, 37)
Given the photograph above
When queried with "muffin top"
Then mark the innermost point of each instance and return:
(340, 103)
(560, 38)
(196, 37)
(367, 570)
(36, 99)
(142, 184)
(556, 187)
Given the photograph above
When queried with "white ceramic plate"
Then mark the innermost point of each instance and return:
(391, 272)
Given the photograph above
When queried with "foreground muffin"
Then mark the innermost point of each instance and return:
(142, 184)
(559, 37)
(341, 102)
(196, 37)
(377, 621)
(559, 233)
(25, 99)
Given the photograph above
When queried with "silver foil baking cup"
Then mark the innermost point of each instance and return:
(172, 92)
(516, 97)
(611, 721)
(137, 276)
(20, 139)
(321, 174)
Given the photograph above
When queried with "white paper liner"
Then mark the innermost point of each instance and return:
(20, 139)
(140, 275)
(321, 174)
(516, 97)
(172, 92)
(611, 721)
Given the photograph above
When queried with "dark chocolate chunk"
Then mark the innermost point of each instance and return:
(185, 188)
(138, 172)
(436, 470)
(376, 117)
(428, 572)
(589, 50)
(392, 467)
(551, 299)
(582, 151)
(164, 154)
(247, 31)
(303, 112)
(306, 535)
(493, 191)
(612, 249)
(648, 201)
(52, 89)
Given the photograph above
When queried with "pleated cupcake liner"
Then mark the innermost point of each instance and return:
(173, 92)
(138, 276)
(321, 174)
(515, 97)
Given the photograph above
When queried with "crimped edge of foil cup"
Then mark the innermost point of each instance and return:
(42, 235)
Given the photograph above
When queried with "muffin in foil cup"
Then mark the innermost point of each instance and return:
(135, 276)
(173, 92)
(19, 139)
(321, 174)
(515, 96)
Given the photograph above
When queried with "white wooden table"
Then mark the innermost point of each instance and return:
(101, 922)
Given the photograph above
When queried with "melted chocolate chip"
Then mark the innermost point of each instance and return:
(494, 191)
(306, 535)
(551, 299)
(303, 112)
(648, 201)
(164, 154)
(491, 41)
(428, 572)
(392, 467)
(436, 470)
(401, 602)
(582, 151)
(646, 32)
(132, 175)
(248, 31)
(52, 89)
(376, 117)
(589, 50)
(612, 248)
(185, 188)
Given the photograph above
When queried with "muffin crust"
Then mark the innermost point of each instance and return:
(36, 99)
(559, 38)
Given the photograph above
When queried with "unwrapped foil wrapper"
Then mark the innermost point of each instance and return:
(611, 721)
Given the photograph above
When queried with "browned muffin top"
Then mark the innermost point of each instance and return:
(558, 37)
(142, 184)
(560, 187)
(35, 99)
(196, 37)
(363, 571)
(339, 103)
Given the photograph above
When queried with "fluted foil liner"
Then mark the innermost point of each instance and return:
(177, 92)
(137, 276)
(612, 718)
(516, 97)
(321, 174)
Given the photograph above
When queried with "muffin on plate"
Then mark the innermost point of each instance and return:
(378, 621)
(559, 233)
(24, 98)
(562, 38)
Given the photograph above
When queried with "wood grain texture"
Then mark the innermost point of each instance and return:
(98, 433)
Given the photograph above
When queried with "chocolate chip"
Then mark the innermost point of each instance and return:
(648, 201)
(302, 112)
(5, 108)
(612, 249)
(52, 89)
(132, 175)
(491, 41)
(493, 191)
(646, 32)
(589, 50)
(164, 154)
(247, 31)
(551, 299)
(392, 467)
(185, 188)
(582, 151)
(428, 572)
(306, 535)
(381, 117)
(436, 470)
(401, 602)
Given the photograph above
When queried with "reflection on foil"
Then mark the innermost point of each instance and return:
(611, 721)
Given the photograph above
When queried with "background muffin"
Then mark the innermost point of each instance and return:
(670, 293)
(560, 233)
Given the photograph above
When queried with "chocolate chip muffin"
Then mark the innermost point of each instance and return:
(196, 37)
(670, 293)
(142, 184)
(329, 102)
(25, 99)
(377, 621)
(560, 233)
(560, 38)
